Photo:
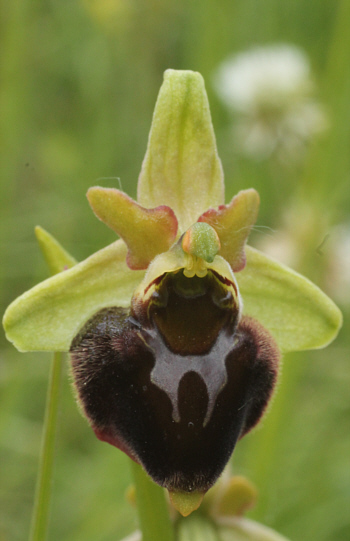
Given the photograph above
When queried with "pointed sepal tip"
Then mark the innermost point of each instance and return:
(56, 257)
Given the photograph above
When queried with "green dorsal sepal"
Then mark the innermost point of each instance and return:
(182, 168)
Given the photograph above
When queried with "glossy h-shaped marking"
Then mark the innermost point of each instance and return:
(170, 368)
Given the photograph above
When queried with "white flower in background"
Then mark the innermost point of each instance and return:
(271, 91)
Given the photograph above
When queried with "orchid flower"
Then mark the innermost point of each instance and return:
(175, 331)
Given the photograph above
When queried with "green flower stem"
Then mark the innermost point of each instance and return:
(152, 507)
(42, 502)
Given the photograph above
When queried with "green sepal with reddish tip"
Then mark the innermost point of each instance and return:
(146, 232)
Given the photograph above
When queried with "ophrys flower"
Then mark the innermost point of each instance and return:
(175, 331)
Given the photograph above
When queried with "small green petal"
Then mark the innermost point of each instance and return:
(233, 223)
(147, 232)
(296, 312)
(56, 257)
(49, 316)
(181, 168)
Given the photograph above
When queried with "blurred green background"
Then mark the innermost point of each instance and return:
(79, 79)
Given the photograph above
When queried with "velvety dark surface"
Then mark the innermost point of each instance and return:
(114, 356)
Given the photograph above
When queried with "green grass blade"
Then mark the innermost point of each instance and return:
(42, 501)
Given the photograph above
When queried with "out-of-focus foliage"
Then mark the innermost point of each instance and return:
(79, 82)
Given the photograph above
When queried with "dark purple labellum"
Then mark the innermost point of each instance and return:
(176, 381)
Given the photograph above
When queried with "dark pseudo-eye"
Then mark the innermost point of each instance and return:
(175, 386)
